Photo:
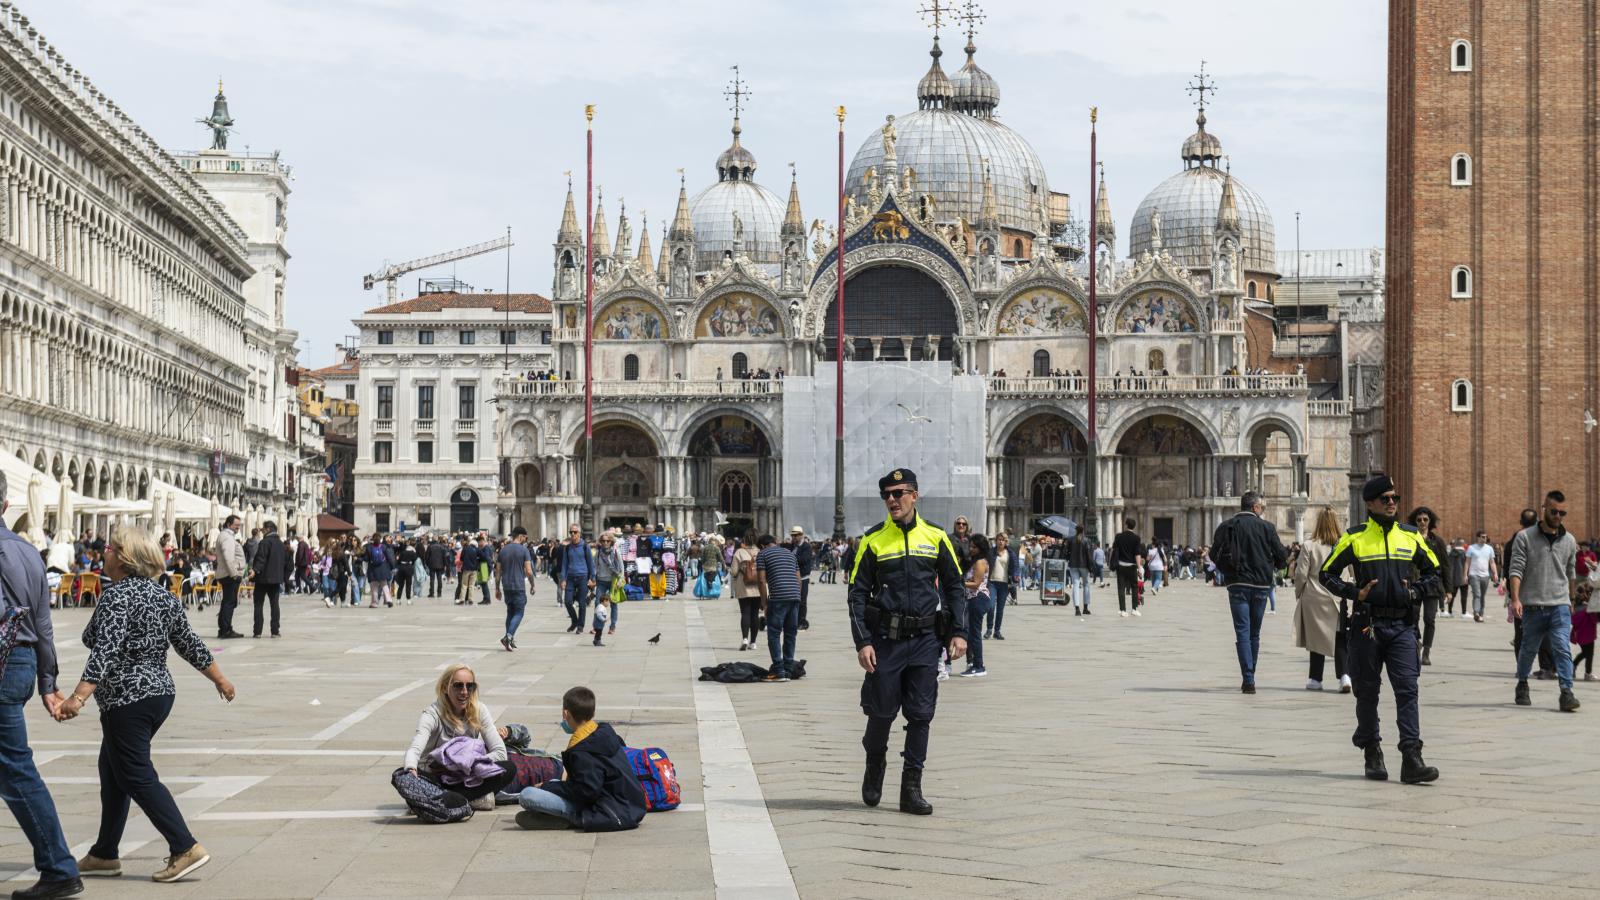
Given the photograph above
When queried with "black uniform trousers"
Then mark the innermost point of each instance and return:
(230, 600)
(907, 679)
(1376, 644)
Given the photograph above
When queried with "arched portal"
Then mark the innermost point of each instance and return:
(1278, 473)
(527, 482)
(732, 472)
(1164, 467)
(895, 312)
(626, 474)
(464, 510)
(1043, 471)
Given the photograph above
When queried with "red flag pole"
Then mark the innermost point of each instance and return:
(1092, 488)
(588, 332)
(838, 354)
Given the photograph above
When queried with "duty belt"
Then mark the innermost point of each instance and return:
(896, 626)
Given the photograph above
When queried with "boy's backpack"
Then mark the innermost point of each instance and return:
(532, 770)
(633, 592)
(431, 803)
(657, 778)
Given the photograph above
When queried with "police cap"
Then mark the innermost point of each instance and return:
(1376, 487)
(898, 476)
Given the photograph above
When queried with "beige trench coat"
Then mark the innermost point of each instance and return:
(1316, 612)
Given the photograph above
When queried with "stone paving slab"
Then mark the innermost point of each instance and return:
(1102, 757)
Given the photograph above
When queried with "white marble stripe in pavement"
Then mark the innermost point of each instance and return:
(377, 812)
(367, 709)
(746, 859)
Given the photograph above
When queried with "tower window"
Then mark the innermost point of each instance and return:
(630, 368)
(1461, 396)
(1461, 283)
(1018, 253)
(1041, 363)
(1461, 169)
(1461, 56)
(1250, 290)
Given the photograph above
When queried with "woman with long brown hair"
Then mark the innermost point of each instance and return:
(1320, 618)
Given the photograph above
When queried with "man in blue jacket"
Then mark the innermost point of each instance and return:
(575, 564)
(1248, 553)
(599, 791)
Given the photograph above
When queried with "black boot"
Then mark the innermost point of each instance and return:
(1425, 660)
(44, 889)
(872, 782)
(1375, 768)
(911, 793)
(1413, 770)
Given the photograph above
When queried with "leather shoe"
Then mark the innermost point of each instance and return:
(44, 890)
(911, 800)
(1413, 770)
(1376, 770)
(872, 782)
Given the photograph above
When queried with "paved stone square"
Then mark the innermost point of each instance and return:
(1102, 757)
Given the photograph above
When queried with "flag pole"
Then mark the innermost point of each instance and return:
(1092, 473)
(588, 331)
(838, 352)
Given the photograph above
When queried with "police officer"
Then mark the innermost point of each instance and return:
(906, 601)
(1383, 621)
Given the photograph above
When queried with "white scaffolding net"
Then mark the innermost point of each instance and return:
(915, 415)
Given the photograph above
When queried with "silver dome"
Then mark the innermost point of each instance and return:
(974, 91)
(1188, 202)
(712, 211)
(947, 149)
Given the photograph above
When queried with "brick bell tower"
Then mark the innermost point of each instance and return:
(1493, 331)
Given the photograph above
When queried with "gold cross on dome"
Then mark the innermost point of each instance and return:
(1201, 86)
(935, 13)
(737, 91)
(972, 14)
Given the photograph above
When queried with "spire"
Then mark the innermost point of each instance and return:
(1228, 209)
(569, 219)
(682, 228)
(622, 252)
(599, 237)
(934, 90)
(1104, 227)
(645, 264)
(793, 223)
(662, 269)
(736, 163)
(989, 215)
(1201, 147)
(974, 91)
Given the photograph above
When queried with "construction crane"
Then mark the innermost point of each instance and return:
(390, 273)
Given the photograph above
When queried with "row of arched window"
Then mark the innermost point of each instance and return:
(741, 366)
(1461, 176)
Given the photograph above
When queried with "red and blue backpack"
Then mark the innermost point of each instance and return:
(657, 778)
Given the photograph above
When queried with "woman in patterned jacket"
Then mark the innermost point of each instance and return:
(127, 637)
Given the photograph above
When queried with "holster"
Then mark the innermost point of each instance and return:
(897, 626)
(944, 625)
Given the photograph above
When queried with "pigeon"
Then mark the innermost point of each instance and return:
(911, 416)
(1588, 422)
(656, 639)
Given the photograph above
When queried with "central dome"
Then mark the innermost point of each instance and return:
(948, 149)
(736, 192)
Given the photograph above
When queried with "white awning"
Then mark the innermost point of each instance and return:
(191, 507)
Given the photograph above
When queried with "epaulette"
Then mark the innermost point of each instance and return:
(874, 528)
(934, 525)
(1404, 526)
(1356, 529)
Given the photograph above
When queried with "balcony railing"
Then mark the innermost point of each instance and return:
(423, 426)
(467, 426)
(1146, 385)
(1335, 408)
(573, 390)
(383, 426)
(569, 334)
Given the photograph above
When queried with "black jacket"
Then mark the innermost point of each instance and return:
(910, 571)
(1254, 553)
(1393, 557)
(270, 560)
(600, 783)
(1126, 548)
(437, 557)
(1080, 553)
(804, 558)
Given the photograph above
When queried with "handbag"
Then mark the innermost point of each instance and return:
(10, 617)
(619, 591)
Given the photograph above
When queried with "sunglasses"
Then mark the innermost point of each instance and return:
(1389, 498)
(468, 686)
(894, 494)
(1559, 513)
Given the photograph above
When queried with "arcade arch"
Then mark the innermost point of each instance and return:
(1043, 471)
(1163, 471)
(894, 312)
(732, 472)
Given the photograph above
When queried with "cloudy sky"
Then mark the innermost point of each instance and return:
(416, 127)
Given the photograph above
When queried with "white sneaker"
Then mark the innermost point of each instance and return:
(1344, 683)
(943, 674)
(1123, 613)
(1446, 615)
(1272, 612)
(1313, 685)
(1137, 613)
(483, 804)
(328, 601)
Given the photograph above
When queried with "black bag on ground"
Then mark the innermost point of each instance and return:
(431, 803)
(744, 673)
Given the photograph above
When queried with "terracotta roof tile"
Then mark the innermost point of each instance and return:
(343, 367)
(531, 303)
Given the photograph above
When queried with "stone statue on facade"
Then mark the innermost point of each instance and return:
(1104, 272)
(889, 137)
(1225, 265)
(1155, 230)
(796, 315)
(738, 231)
(908, 181)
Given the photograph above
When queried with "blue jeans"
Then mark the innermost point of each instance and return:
(783, 622)
(575, 592)
(1076, 579)
(1249, 606)
(977, 607)
(1155, 579)
(516, 602)
(602, 594)
(20, 784)
(1539, 622)
(1000, 591)
(360, 588)
(542, 801)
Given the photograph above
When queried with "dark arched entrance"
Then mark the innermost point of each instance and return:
(463, 510)
(893, 304)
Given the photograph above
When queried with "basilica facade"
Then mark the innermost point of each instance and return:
(957, 253)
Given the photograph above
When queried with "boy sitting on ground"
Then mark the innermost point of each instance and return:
(600, 791)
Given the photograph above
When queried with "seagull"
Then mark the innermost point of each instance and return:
(656, 639)
(1588, 422)
(721, 519)
(911, 416)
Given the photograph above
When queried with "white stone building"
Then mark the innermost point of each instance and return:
(428, 451)
(122, 307)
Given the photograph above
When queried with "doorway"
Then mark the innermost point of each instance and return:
(464, 510)
(1162, 527)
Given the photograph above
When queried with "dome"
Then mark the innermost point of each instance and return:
(1188, 202)
(760, 210)
(948, 149)
(974, 91)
